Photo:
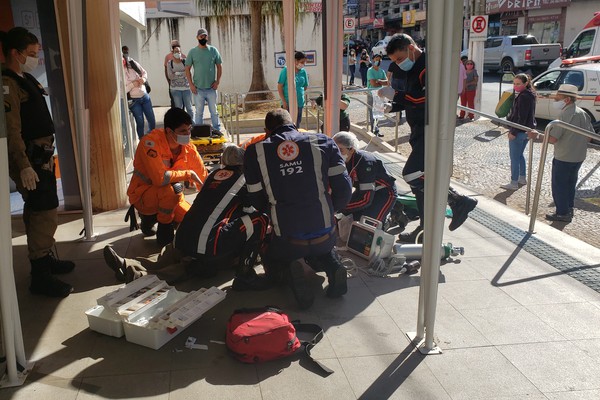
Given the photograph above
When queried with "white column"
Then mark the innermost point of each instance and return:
(334, 17)
(289, 32)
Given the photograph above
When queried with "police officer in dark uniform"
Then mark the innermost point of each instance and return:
(300, 179)
(375, 189)
(215, 232)
(31, 159)
(403, 50)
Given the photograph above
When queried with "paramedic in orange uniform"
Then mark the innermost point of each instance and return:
(164, 160)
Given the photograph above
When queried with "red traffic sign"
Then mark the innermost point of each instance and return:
(479, 27)
(349, 24)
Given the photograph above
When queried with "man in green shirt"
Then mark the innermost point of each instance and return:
(376, 77)
(301, 85)
(206, 61)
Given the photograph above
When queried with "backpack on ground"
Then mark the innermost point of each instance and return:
(263, 334)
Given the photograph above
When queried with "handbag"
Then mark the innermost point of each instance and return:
(256, 335)
(505, 104)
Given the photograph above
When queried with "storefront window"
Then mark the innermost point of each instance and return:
(545, 32)
(508, 27)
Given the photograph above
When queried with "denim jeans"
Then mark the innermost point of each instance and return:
(139, 108)
(516, 148)
(183, 99)
(564, 181)
(352, 69)
(207, 96)
(299, 118)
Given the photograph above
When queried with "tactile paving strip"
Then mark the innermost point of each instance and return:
(587, 274)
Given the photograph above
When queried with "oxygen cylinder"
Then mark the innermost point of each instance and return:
(415, 251)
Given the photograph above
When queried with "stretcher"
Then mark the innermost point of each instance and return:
(209, 145)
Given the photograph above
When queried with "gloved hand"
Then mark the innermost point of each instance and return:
(29, 178)
(195, 178)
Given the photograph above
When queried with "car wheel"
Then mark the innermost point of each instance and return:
(507, 65)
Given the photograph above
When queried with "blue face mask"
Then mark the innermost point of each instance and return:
(406, 64)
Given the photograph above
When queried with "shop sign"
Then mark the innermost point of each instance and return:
(497, 6)
(378, 23)
(311, 58)
(314, 7)
(543, 18)
(409, 18)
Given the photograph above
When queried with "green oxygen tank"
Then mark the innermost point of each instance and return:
(415, 251)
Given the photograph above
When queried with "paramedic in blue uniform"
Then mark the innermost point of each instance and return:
(213, 234)
(301, 181)
(403, 50)
(375, 189)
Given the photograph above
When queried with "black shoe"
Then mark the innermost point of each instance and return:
(337, 283)
(116, 263)
(250, 282)
(411, 237)
(165, 234)
(58, 267)
(300, 286)
(559, 217)
(461, 207)
(48, 285)
(147, 224)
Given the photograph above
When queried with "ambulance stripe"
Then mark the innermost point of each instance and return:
(318, 163)
(212, 219)
(412, 176)
(366, 186)
(262, 164)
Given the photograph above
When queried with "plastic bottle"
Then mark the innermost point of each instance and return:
(415, 251)
(378, 106)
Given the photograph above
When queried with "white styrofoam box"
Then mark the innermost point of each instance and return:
(158, 323)
(105, 321)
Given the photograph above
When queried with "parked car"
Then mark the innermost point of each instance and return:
(582, 72)
(380, 46)
(585, 44)
(507, 53)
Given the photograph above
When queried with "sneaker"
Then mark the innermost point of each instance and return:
(559, 217)
(511, 186)
(411, 237)
(522, 180)
(300, 286)
(116, 263)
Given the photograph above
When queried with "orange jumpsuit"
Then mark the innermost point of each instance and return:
(155, 169)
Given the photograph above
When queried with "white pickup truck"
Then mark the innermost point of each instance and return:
(507, 53)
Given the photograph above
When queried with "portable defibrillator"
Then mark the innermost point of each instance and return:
(368, 240)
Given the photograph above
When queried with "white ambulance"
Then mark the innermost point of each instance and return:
(586, 44)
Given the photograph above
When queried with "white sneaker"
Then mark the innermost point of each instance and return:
(522, 180)
(510, 186)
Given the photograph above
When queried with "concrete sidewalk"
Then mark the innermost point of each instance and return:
(510, 326)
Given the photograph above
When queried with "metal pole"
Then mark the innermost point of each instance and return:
(529, 174)
(396, 131)
(289, 32)
(334, 16)
(237, 117)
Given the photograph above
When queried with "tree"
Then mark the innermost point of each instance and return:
(258, 8)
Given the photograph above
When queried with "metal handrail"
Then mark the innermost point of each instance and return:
(546, 135)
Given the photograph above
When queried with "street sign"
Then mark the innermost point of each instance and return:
(349, 24)
(378, 23)
(479, 28)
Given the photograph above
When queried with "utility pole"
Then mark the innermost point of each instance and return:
(476, 52)
(466, 20)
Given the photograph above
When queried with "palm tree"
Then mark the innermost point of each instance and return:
(258, 8)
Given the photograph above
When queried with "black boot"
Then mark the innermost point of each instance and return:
(300, 286)
(42, 282)
(246, 277)
(116, 263)
(461, 207)
(57, 266)
(411, 237)
(336, 275)
(165, 234)
(147, 225)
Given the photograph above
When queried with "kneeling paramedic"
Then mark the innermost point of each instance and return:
(214, 233)
(164, 161)
(300, 180)
(375, 189)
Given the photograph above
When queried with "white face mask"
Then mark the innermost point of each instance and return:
(345, 157)
(559, 105)
(177, 55)
(182, 139)
(30, 64)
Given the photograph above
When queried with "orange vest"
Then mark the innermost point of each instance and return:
(155, 165)
(254, 139)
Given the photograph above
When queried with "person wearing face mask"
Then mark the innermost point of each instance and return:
(179, 87)
(30, 135)
(168, 57)
(403, 50)
(215, 233)
(376, 78)
(206, 62)
(164, 161)
(523, 113)
(467, 96)
(363, 66)
(300, 180)
(140, 103)
(570, 150)
(352, 65)
(301, 85)
(374, 188)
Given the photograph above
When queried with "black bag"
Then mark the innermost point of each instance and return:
(136, 69)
